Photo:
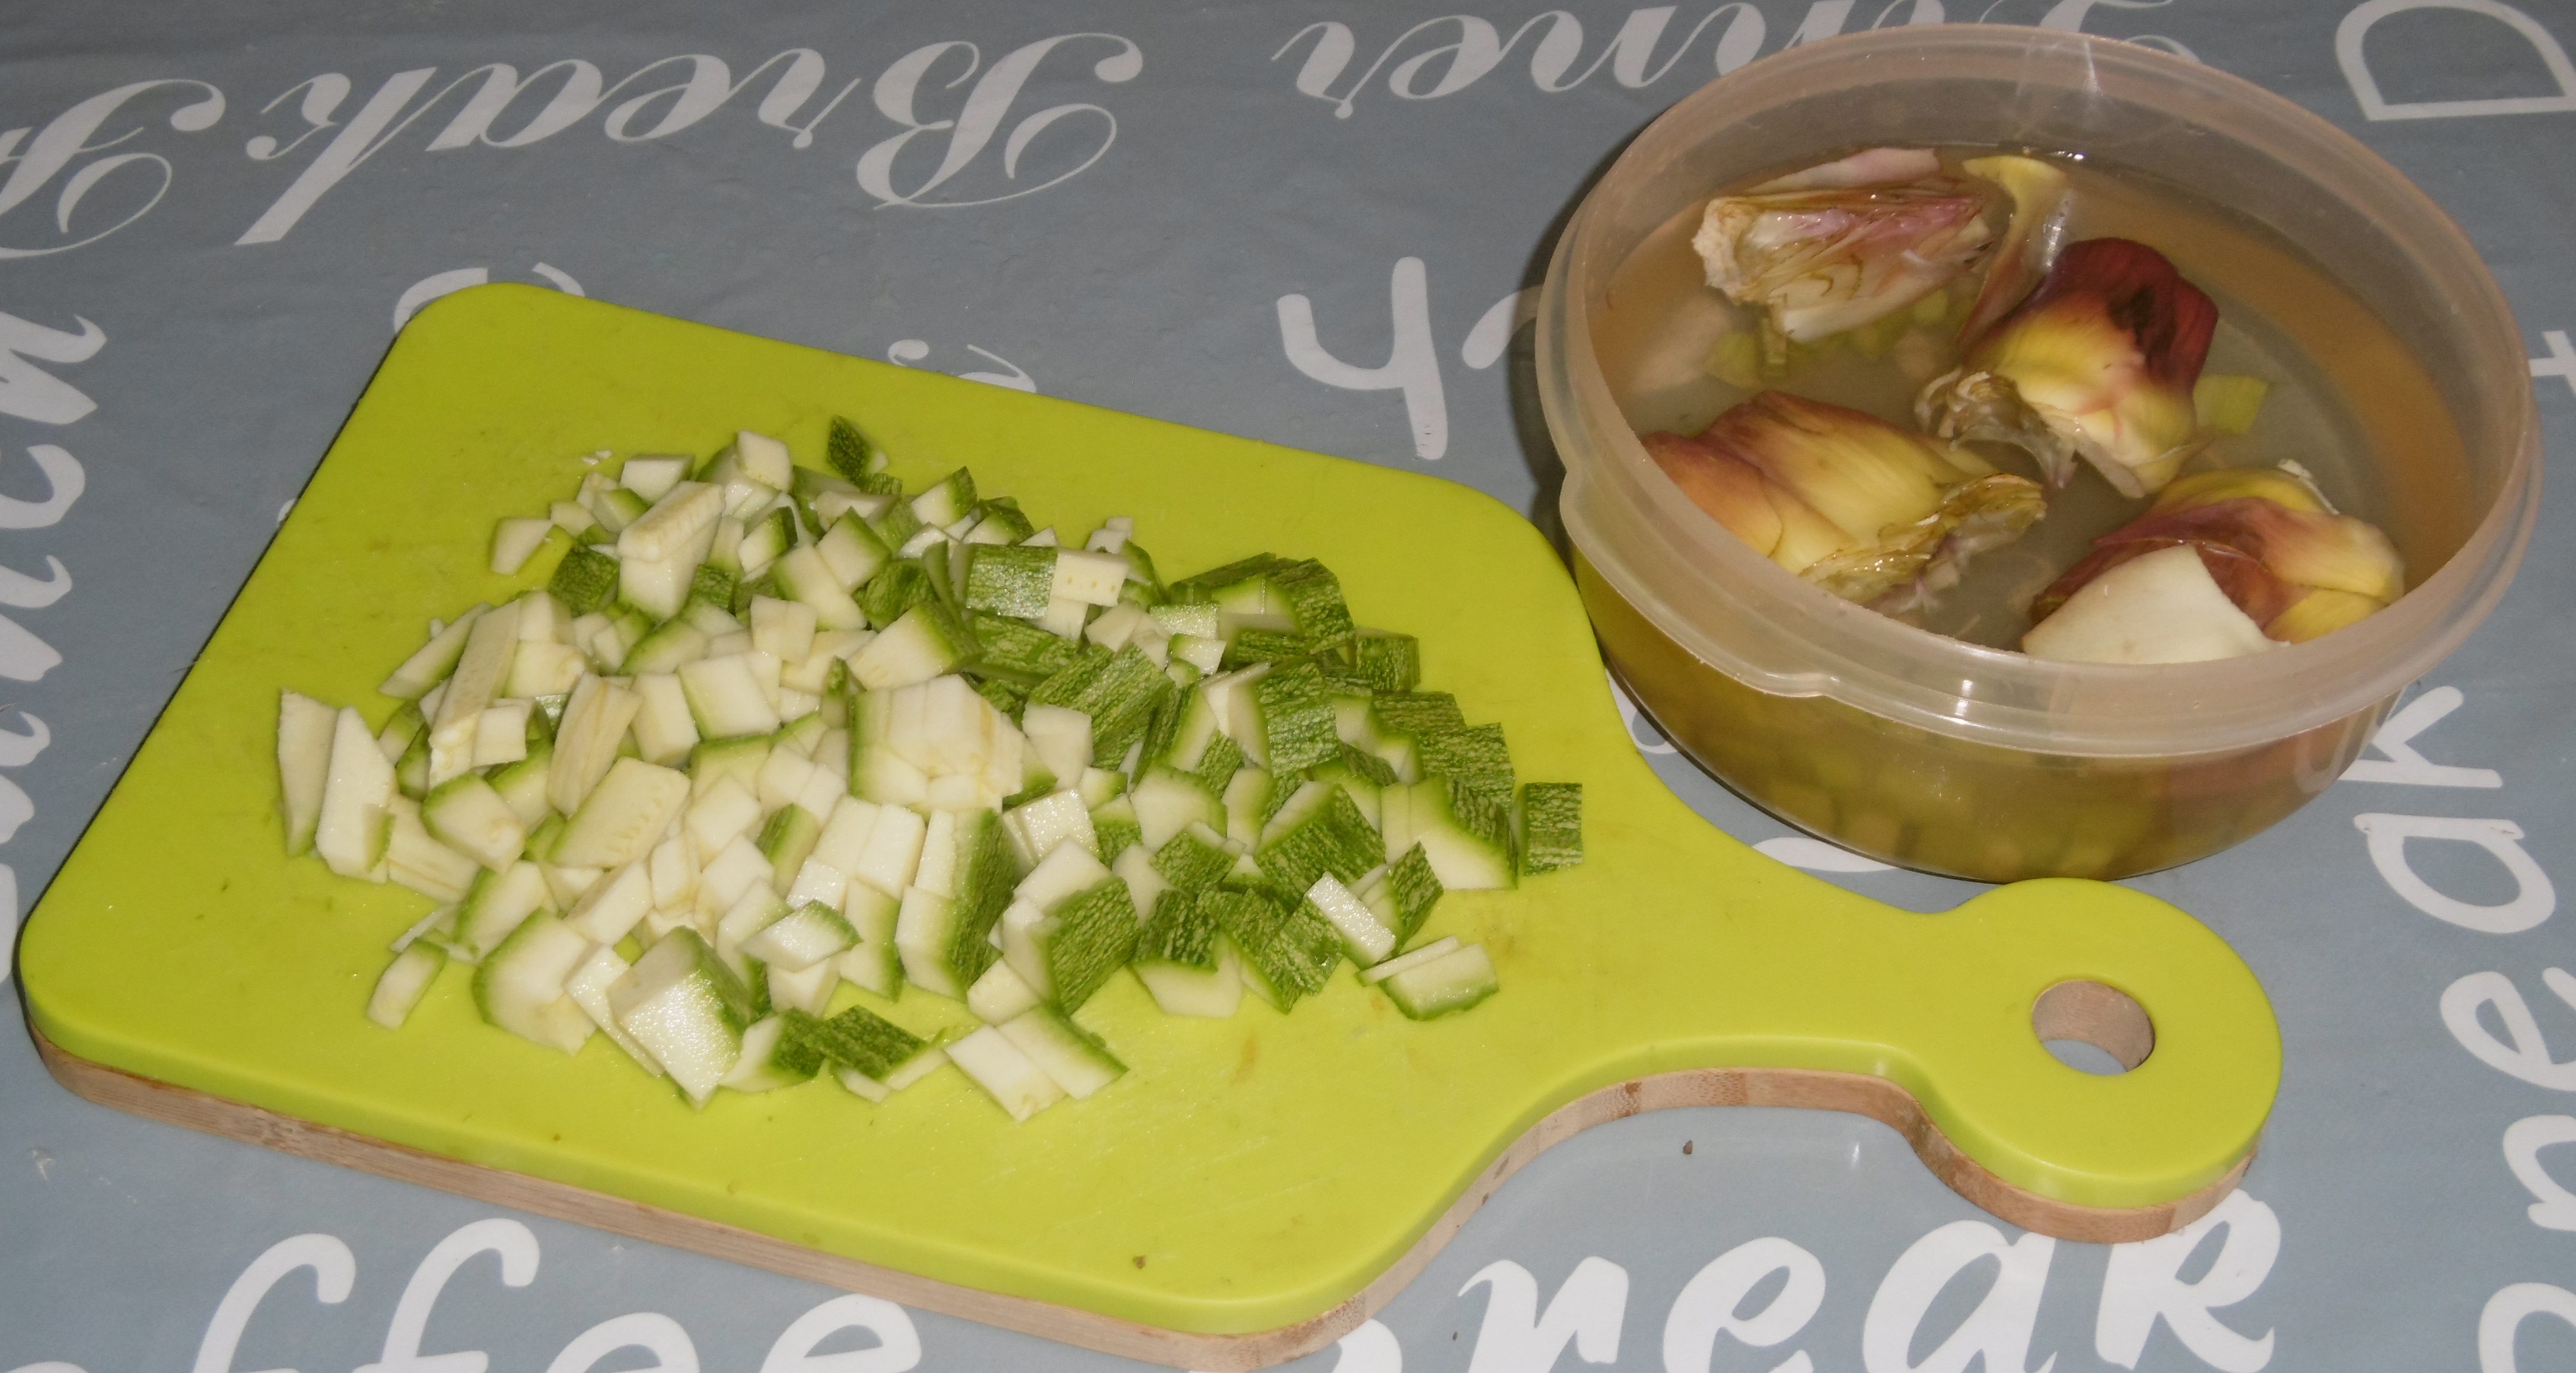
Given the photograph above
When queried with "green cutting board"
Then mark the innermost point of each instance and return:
(1252, 1187)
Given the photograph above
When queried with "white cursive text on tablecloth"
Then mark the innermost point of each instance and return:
(29, 392)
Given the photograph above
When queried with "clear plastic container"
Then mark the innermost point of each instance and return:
(1942, 755)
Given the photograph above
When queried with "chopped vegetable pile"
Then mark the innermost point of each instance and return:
(774, 744)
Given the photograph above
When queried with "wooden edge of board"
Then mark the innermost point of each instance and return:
(1857, 1093)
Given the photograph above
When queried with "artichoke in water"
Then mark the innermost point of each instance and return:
(2224, 564)
(2097, 363)
(1842, 245)
(1868, 511)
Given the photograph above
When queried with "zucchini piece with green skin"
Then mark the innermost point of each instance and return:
(947, 500)
(897, 525)
(1332, 838)
(1386, 661)
(773, 1056)
(945, 939)
(1365, 937)
(1466, 835)
(765, 539)
(1287, 952)
(1194, 859)
(1113, 825)
(1251, 798)
(665, 649)
(414, 859)
(999, 994)
(1068, 954)
(726, 697)
(1440, 986)
(665, 731)
(615, 508)
(614, 905)
(874, 963)
(1551, 826)
(1025, 652)
(688, 1011)
(623, 817)
(851, 453)
(1312, 597)
(853, 552)
(1010, 580)
(1412, 889)
(494, 906)
(1294, 711)
(1241, 580)
(809, 580)
(995, 1064)
(1217, 768)
(353, 825)
(1438, 948)
(1183, 964)
(1274, 646)
(1476, 758)
(787, 841)
(304, 732)
(860, 1042)
(713, 586)
(469, 816)
(802, 938)
(594, 725)
(394, 740)
(1165, 802)
(430, 665)
(924, 642)
(588, 987)
(808, 989)
(405, 981)
(1074, 1057)
(520, 985)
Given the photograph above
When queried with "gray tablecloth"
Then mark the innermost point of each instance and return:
(1307, 223)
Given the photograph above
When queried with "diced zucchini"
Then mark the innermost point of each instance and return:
(726, 698)
(495, 906)
(652, 475)
(1364, 937)
(585, 581)
(786, 841)
(808, 989)
(1011, 580)
(614, 905)
(589, 986)
(586, 743)
(1067, 953)
(1466, 836)
(921, 644)
(1036, 828)
(514, 541)
(405, 981)
(1000, 994)
(1551, 826)
(623, 817)
(947, 500)
(466, 814)
(1005, 1073)
(688, 1011)
(520, 985)
(1453, 981)
(679, 527)
(1183, 963)
(1072, 1056)
(805, 936)
(352, 827)
(772, 1057)
(435, 659)
(1438, 948)
(305, 730)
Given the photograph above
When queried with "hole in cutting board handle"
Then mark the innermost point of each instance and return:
(2096, 1014)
